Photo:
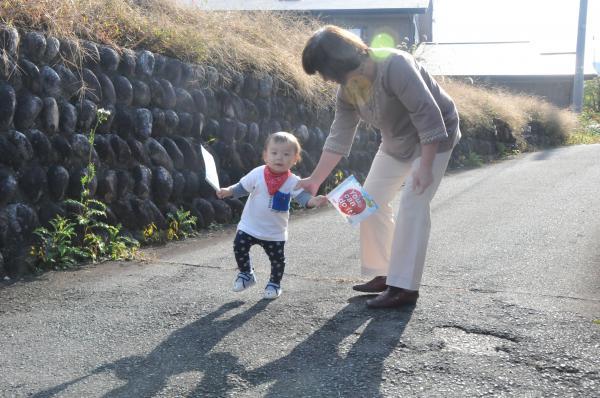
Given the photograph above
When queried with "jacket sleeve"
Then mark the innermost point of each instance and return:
(239, 191)
(405, 81)
(248, 182)
(343, 128)
(302, 198)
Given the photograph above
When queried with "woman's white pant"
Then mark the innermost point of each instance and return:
(396, 247)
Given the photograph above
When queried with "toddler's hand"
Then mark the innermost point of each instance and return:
(223, 193)
(318, 201)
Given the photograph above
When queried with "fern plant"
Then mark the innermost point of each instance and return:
(120, 247)
(56, 248)
(181, 224)
(473, 159)
(60, 246)
(152, 234)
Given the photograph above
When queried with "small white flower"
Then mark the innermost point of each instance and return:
(103, 112)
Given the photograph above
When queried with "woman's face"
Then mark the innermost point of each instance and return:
(346, 78)
(331, 79)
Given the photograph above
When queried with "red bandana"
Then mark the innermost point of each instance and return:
(275, 180)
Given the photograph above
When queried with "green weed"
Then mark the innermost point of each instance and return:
(181, 225)
(60, 246)
(473, 159)
(56, 249)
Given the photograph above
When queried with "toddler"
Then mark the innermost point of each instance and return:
(265, 216)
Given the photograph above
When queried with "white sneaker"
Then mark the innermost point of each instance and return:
(272, 291)
(243, 281)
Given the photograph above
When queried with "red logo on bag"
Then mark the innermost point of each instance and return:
(351, 202)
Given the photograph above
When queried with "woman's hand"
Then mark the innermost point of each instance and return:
(224, 193)
(309, 185)
(423, 176)
(421, 179)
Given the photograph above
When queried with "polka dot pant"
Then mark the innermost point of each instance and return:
(274, 249)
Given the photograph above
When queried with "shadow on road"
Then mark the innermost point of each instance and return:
(338, 357)
(545, 154)
(185, 350)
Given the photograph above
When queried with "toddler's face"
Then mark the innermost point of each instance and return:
(280, 156)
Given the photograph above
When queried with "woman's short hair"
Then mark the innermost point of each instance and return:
(283, 137)
(333, 52)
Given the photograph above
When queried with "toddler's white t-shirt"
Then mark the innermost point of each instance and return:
(266, 217)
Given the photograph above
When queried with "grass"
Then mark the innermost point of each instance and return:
(583, 138)
(236, 41)
(473, 160)
(265, 42)
(479, 106)
(588, 131)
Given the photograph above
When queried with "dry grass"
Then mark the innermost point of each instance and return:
(239, 41)
(263, 42)
(478, 106)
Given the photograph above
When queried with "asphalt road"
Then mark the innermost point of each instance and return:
(508, 302)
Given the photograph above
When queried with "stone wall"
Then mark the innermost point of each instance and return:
(147, 155)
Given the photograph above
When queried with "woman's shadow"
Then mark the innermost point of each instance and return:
(185, 350)
(338, 359)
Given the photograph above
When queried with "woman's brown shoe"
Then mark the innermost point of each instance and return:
(394, 297)
(375, 285)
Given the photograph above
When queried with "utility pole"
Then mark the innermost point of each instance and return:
(579, 57)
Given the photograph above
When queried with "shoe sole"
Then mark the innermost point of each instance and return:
(271, 298)
(244, 288)
(401, 304)
(367, 290)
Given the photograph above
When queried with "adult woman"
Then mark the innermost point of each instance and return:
(418, 122)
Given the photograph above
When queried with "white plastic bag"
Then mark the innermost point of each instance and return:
(352, 201)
